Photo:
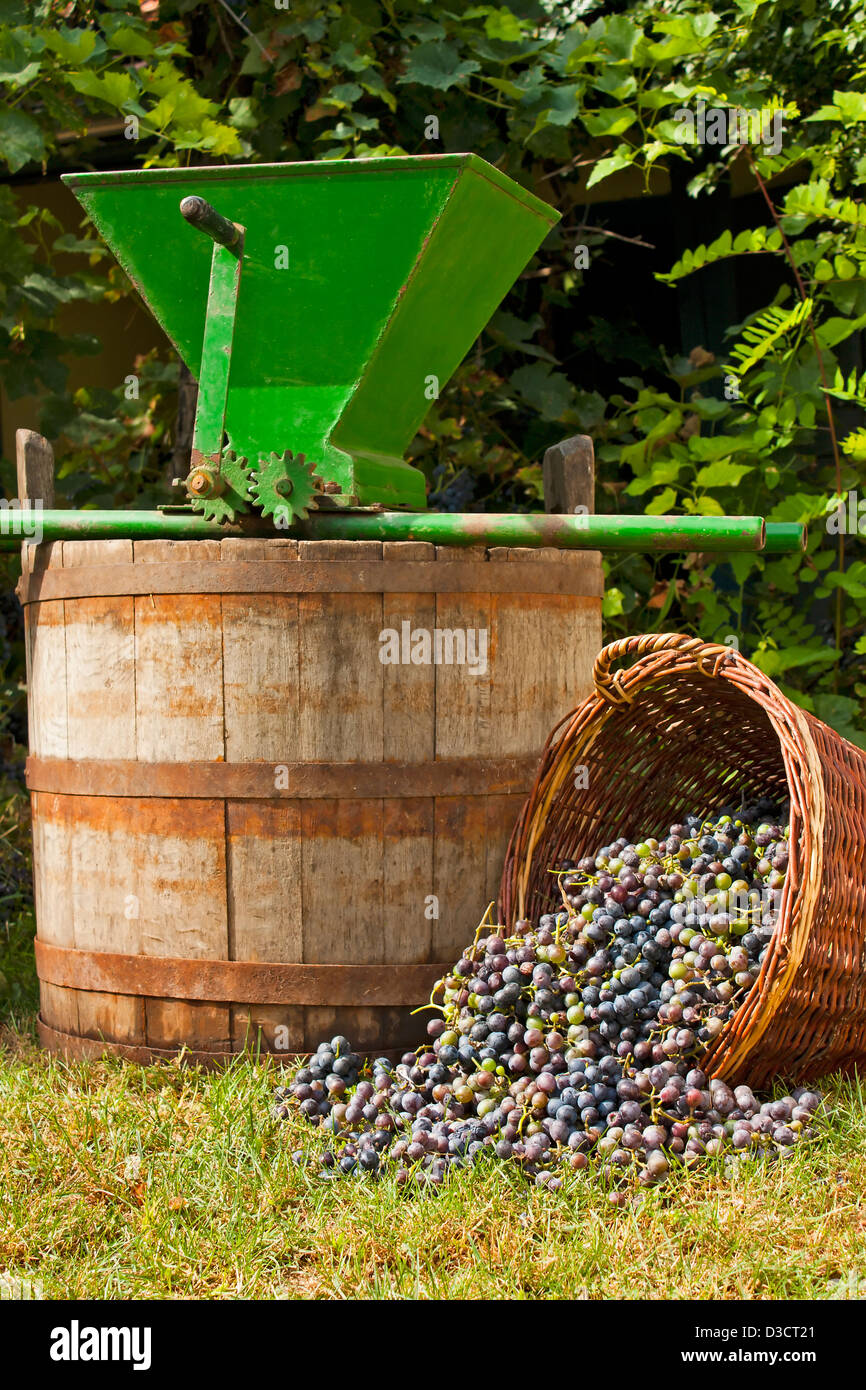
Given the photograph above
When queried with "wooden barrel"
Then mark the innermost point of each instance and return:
(267, 808)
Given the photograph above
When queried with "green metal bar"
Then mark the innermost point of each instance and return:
(784, 537)
(629, 533)
(636, 533)
(216, 353)
(16, 527)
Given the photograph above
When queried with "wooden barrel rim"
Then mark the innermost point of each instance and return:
(238, 981)
(304, 781)
(300, 577)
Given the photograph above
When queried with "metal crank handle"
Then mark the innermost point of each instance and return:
(199, 213)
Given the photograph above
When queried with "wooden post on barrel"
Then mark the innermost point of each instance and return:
(34, 458)
(568, 473)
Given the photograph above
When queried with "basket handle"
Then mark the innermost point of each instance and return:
(680, 650)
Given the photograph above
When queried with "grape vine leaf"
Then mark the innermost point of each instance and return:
(21, 139)
(438, 65)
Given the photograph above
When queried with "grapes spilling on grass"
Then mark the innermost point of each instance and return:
(576, 1043)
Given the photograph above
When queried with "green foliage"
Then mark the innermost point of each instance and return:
(765, 332)
(563, 99)
(748, 243)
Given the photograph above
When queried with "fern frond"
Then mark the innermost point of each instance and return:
(765, 331)
(747, 243)
(852, 389)
(813, 201)
(854, 444)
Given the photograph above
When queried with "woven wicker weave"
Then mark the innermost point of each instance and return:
(688, 727)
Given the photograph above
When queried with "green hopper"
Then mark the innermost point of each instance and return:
(351, 293)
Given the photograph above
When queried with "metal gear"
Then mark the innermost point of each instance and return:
(285, 484)
(219, 493)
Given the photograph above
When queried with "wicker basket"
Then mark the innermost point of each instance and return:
(687, 727)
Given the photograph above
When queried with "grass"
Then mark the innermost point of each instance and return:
(164, 1182)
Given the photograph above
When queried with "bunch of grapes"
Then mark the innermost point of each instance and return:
(577, 1043)
(456, 495)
